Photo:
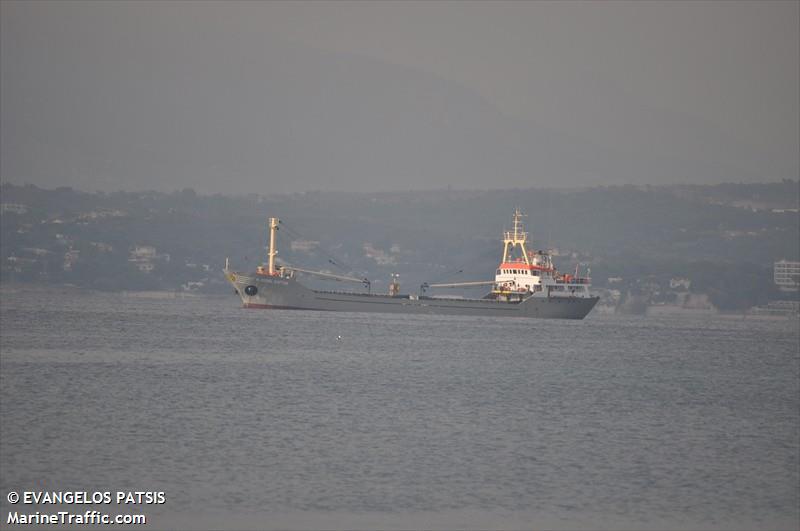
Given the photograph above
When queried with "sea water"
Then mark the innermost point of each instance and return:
(310, 420)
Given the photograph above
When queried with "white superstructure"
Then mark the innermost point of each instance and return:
(522, 272)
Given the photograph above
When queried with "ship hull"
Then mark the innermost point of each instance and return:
(260, 292)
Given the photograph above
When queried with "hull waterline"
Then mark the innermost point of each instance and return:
(288, 294)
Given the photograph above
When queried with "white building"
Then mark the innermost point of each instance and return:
(143, 252)
(70, 259)
(304, 245)
(142, 256)
(683, 283)
(16, 208)
(787, 275)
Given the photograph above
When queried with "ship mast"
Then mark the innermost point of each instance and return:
(518, 237)
(273, 228)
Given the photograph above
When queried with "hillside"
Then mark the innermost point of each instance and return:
(721, 240)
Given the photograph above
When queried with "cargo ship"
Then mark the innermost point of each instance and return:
(525, 284)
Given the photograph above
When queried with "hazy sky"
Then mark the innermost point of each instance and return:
(282, 97)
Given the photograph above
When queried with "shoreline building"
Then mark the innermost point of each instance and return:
(786, 275)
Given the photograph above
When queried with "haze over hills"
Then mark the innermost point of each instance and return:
(109, 97)
(720, 241)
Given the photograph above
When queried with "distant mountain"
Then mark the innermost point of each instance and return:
(258, 114)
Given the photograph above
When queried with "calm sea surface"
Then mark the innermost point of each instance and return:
(259, 419)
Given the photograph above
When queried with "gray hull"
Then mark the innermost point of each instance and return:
(288, 294)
